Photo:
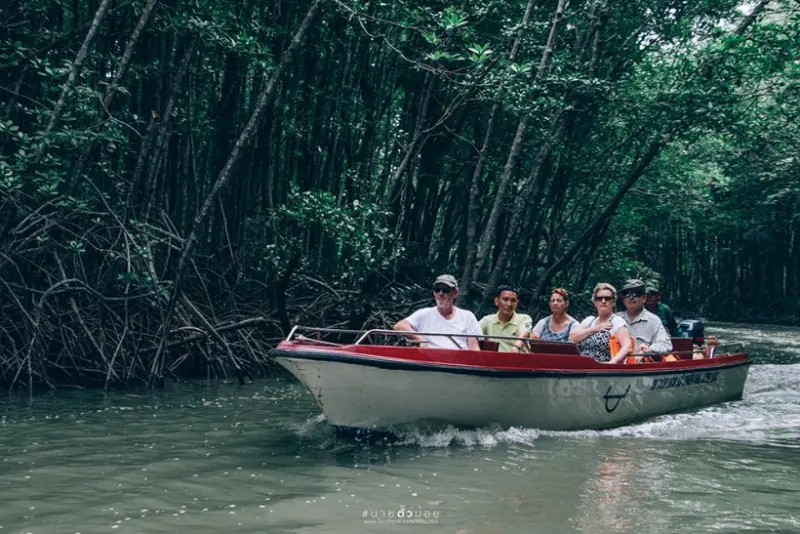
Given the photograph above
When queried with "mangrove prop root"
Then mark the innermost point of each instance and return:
(82, 304)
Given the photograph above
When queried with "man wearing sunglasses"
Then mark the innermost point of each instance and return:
(444, 318)
(645, 327)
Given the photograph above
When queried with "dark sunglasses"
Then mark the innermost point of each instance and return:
(444, 289)
(604, 298)
(632, 295)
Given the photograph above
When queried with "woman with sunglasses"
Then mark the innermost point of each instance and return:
(557, 326)
(595, 335)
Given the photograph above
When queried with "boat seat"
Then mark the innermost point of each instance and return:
(485, 344)
(682, 345)
(536, 347)
(553, 347)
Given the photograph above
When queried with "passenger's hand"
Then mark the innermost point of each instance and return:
(644, 347)
(599, 327)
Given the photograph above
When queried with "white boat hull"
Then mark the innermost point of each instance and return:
(366, 396)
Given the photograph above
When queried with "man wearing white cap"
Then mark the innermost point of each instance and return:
(444, 318)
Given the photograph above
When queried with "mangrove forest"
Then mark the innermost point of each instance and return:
(182, 181)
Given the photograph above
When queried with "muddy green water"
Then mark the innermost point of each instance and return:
(223, 458)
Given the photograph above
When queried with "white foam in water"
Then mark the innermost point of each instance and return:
(448, 436)
(769, 413)
(312, 426)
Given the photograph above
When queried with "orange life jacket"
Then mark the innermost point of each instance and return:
(616, 346)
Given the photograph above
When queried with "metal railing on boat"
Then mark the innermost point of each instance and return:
(364, 337)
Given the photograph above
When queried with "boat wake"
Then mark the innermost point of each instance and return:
(417, 435)
(769, 413)
(481, 437)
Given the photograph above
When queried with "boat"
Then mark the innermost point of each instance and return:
(371, 383)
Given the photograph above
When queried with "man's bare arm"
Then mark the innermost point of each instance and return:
(405, 326)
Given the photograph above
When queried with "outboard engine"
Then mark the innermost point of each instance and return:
(692, 328)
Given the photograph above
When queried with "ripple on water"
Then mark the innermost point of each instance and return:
(766, 344)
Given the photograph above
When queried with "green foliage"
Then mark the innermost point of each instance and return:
(356, 233)
(452, 18)
(362, 164)
(729, 196)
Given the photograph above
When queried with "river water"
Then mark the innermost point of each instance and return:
(259, 459)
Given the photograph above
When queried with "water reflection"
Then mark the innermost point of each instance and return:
(609, 494)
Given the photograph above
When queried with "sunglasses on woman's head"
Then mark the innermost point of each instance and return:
(444, 289)
(605, 298)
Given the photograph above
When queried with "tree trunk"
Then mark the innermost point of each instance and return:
(473, 206)
(608, 211)
(162, 135)
(394, 184)
(516, 146)
(119, 76)
(225, 175)
(77, 66)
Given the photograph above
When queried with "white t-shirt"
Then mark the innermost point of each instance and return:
(616, 322)
(431, 321)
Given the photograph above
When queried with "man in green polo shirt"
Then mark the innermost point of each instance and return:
(654, 305)
(507, 322)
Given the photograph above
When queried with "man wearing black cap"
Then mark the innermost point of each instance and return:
(444, 318)
(645, 327)
(654, 305)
